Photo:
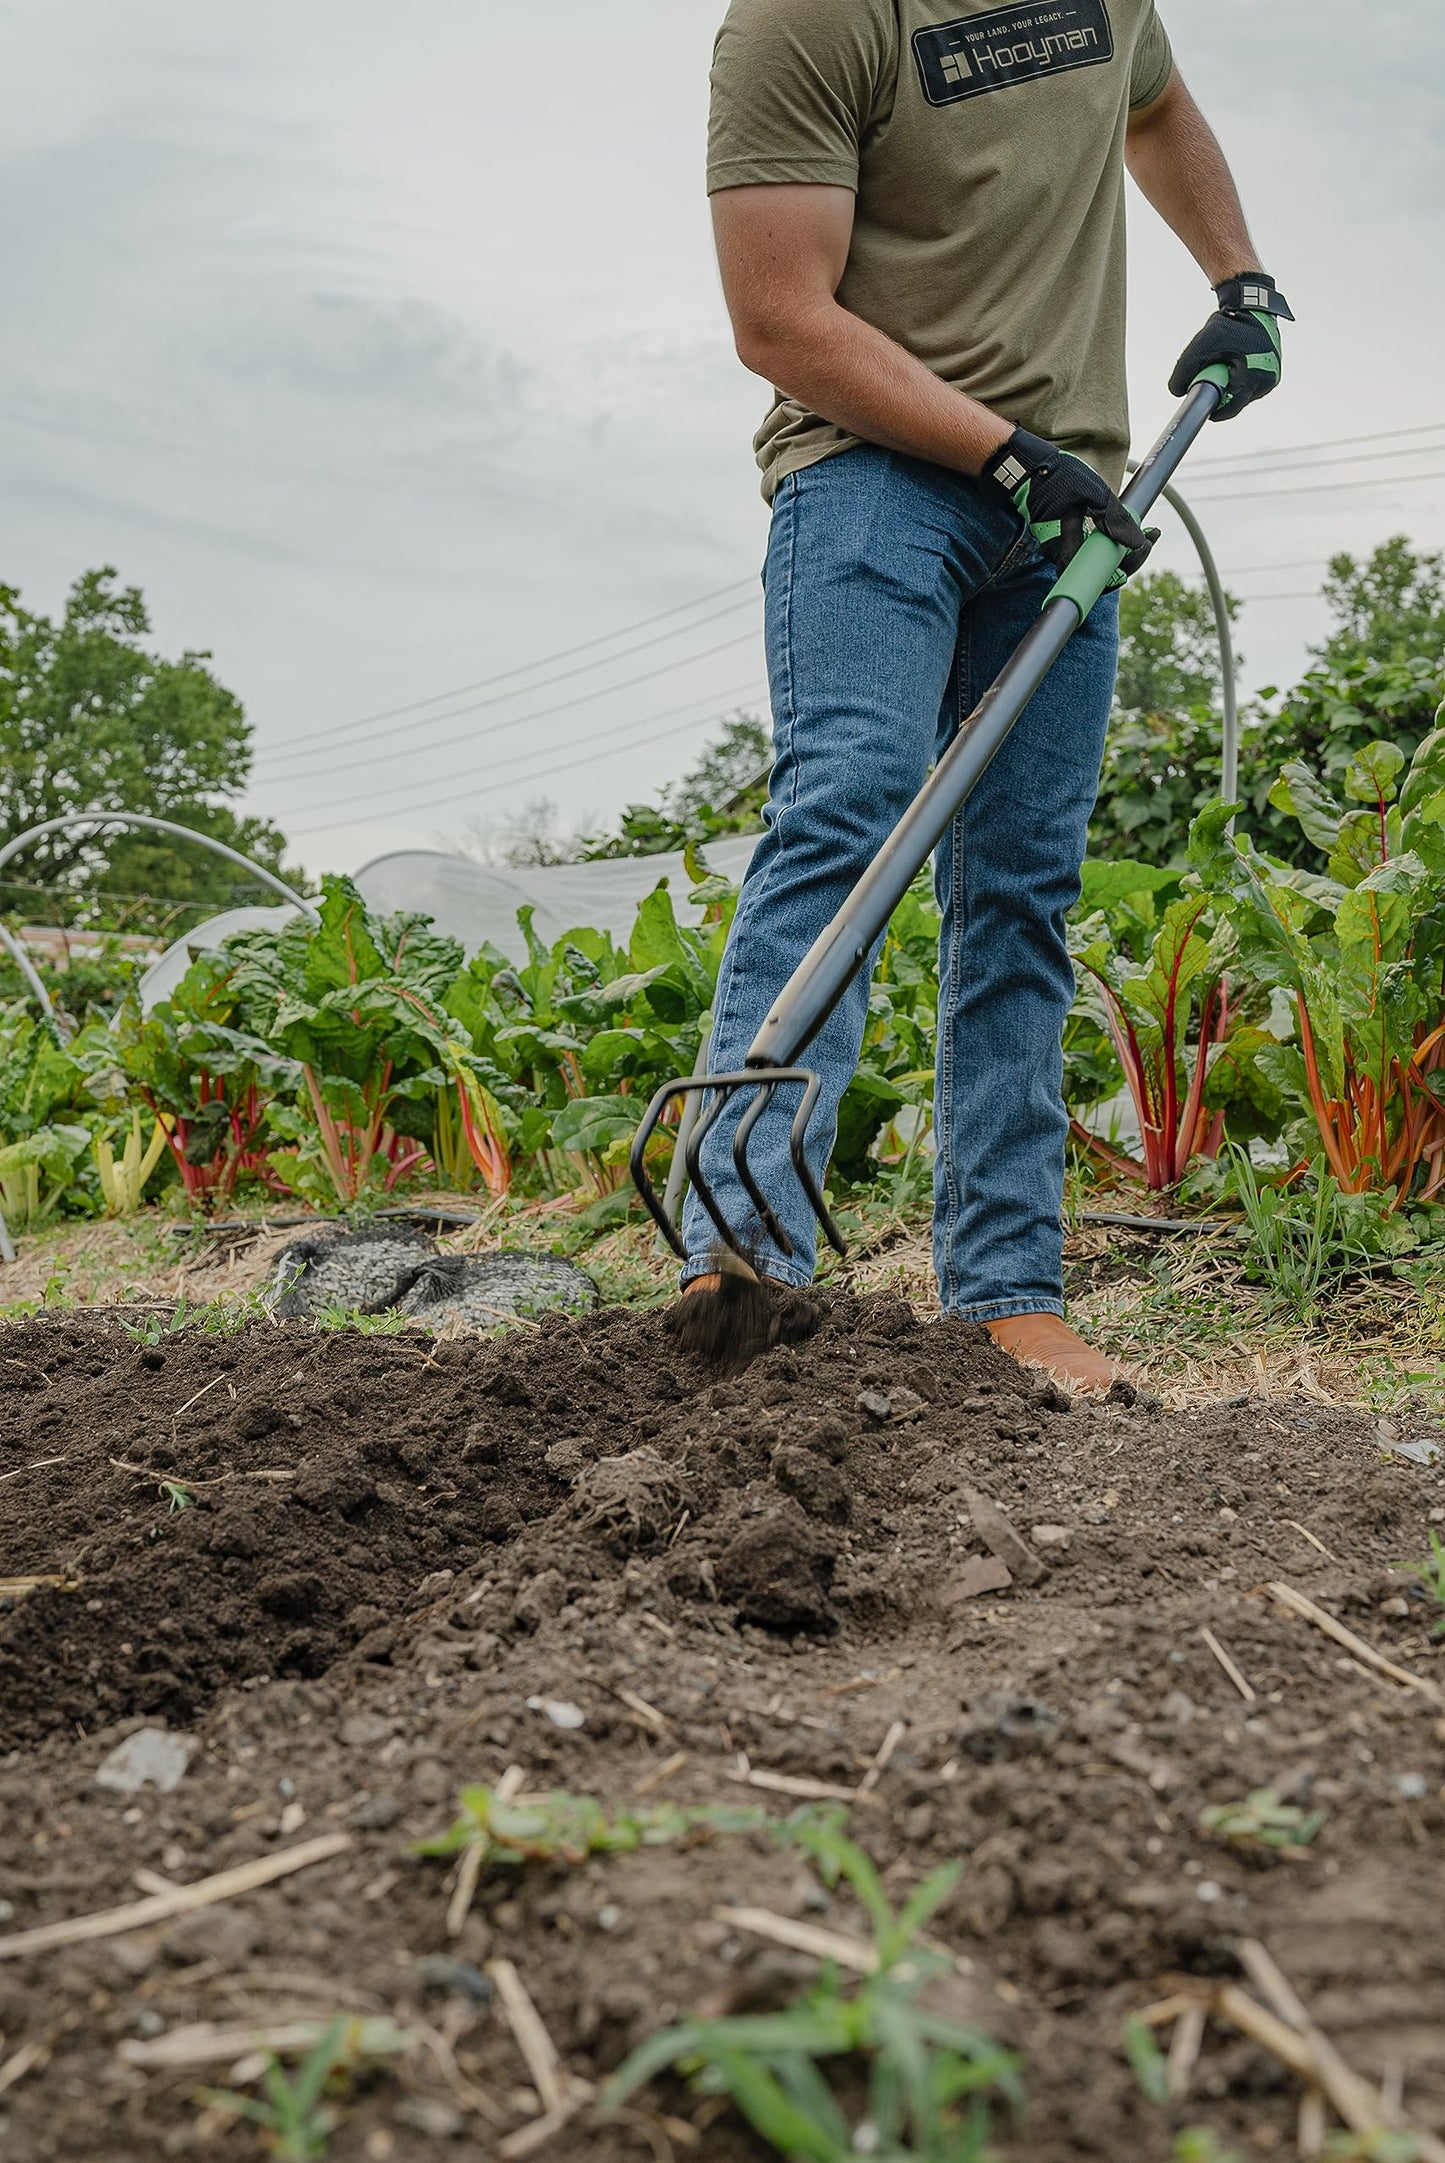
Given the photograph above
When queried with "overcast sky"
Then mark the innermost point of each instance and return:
(383, 348)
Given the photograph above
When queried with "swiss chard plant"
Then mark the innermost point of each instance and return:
(1157, 982)
(208, 1079)
(357, 1004)
(43, 1137)
(1360, 953)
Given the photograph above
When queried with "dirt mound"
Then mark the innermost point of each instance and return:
(399, 1569)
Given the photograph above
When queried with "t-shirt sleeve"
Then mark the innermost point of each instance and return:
(793, 86)
(1153, 63)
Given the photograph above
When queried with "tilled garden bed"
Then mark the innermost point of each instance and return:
(359, 1573)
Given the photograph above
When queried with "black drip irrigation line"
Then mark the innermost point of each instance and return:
(1161, 1224)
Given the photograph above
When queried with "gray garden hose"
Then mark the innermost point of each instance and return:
(1229, 673)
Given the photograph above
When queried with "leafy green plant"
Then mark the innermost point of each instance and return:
(296, 2116)
(1263, 1820)
(568, 1828)
(1360, 953)
(208, 1077)
(123, 1179)
(931, 2082)
(1299, 1240)
(1179, 1033)
(178, 1495)
(356, 1001)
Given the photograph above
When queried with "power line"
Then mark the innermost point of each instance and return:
(1353, 458)
(1330, 443)
(348, 728)
(545, 713)
(550, 771)
(1316, 488)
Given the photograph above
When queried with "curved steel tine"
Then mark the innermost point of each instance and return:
(767, 1091)
(642, 1178)
(798, 1148)
(721, 1098)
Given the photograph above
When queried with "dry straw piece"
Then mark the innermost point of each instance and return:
(181, 1900)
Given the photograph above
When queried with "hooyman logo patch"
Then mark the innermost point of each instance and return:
(979, 53)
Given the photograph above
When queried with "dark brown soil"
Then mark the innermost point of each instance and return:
(394, 1555)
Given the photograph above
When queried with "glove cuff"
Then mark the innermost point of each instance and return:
(1024, 457)
(1252, 292)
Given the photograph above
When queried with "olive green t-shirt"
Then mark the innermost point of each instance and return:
(985, 146)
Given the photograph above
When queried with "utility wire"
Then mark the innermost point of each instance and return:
(501, 698)
(585, 698)
(1314, 488)
(563, 653)
(1351, 458)
(552, 769)
(449, 802)
(1330, 443)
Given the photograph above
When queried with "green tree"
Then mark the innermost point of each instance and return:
(1162, 760)
(1390, 607)
(723, 793)
(91, 717)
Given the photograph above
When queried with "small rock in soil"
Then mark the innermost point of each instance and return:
(994, 1529)
(568, 1717)
(980, 1574)
(375, 1814)
(1051, 1535)
(444, 1977)
(1000, 1724)
(152, 1757)
(423, 2114)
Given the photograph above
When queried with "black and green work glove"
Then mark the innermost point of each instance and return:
(1243, 336)
(1062, 501)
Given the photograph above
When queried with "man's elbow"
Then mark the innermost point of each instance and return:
(767, 340)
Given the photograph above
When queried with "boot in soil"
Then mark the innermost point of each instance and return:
(1045, 1341)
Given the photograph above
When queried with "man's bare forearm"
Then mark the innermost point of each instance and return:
(856, 377)
(1175, 157)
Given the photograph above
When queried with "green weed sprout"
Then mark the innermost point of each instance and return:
(179, 1497)
(931, 2081)
(391, 1324)
(568, 1828)
(1262, 1820)
(1197, 2144)
(296, 2118)
(1147, 2063)
(1431, 1572)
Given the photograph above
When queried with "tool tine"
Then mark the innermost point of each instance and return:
(798, 1142)
(766, 1092)
(642, 1178)
(724, 1090)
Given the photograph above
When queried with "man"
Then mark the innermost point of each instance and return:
(919, 213)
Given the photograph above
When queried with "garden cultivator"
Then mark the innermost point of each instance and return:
(825, 972)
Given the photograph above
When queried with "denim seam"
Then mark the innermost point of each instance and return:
(1003, 1310)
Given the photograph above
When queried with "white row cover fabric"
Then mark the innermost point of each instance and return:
(478, 906)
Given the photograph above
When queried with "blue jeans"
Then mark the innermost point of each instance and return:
(895, 593)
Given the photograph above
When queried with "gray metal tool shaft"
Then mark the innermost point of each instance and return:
(825, 972)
